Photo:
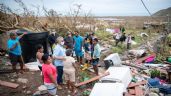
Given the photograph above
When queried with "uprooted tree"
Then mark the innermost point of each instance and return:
(31, 20)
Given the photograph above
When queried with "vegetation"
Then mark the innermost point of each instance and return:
(154, 73)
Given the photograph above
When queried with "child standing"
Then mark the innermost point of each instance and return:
(96, 55)
(39, 55)
(69, 71)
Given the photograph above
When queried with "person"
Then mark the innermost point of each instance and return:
(69, 41)
(52, 38)
(128, 41)
(39, 55)
(91, 38)
(87, 54)
(78, 44)
(59, 57)
(96, 55)
(49, 75)
(122, 29)
(69, 71)
(117, 38)
(15, 52)
(122, 38)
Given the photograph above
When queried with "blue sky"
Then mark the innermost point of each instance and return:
(97, 7)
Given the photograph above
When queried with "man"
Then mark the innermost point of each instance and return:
(52, 38)
(117, 38)
(15, 52)
(78, 44)
(123, 38)
(69, 41)
(128, 41)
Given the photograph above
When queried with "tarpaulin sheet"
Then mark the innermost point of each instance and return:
(30, 41)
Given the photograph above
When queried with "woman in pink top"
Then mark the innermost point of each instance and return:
(49, 73)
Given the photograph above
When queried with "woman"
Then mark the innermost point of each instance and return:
(39, 55)
(49, 73)
(59, 57)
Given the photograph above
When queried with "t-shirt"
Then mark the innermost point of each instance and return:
(68, 63)
(17, 49)
(97, 51)
(48, 69)
(78, 41)
(58, 51)
(69, 42)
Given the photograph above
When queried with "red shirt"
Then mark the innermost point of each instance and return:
(48, 69)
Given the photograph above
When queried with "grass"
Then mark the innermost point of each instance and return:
(103, 35)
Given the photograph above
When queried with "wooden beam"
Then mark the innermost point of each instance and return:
(8, 84)
(92, 79)
(136, 84)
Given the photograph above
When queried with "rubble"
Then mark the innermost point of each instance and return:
(22, 80)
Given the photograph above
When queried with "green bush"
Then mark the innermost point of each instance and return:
(103, 35)
(117, 50)
(154, 73)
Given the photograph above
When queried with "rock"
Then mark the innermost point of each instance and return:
(28, 92)
(22, 80)
(40, 93)
(153, 94)
(156, 90)
(42, 87)
(24, 87)
(12, 80)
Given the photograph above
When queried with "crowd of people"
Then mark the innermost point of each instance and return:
(61, 65)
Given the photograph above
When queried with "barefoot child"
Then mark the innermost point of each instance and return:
(96, 55)
(39, 55)
(69, 71)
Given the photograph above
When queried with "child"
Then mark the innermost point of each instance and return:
(87, 54)
(69, 71)
(96, 55)
(49, 73)
(39, 55)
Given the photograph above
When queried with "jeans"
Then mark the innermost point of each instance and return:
(60, 74)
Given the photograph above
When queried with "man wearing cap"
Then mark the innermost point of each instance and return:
(15, 52)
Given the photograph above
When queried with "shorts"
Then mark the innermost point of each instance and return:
(79, 53)
(51, 88)
(69, 75)
(95, 61)
(15, 58)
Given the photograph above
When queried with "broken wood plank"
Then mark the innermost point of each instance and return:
(92, 79)
(131, 91)
(136, 84)
(139, 91)
(8, 84)
(135, 66)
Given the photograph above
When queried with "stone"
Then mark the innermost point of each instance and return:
(42, 87)
(28, 92)
(153, 94)
(12, 80)
(156, 90)
(22, 80)
(24, 87)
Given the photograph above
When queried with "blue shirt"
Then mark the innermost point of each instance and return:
(97, 51)
(78, 41)
(58, 51)
(17, 49)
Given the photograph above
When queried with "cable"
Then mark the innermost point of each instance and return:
(146, 7)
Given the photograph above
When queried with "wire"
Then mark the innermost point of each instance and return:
(146, 7)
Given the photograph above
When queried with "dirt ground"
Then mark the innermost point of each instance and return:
(34, 81)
